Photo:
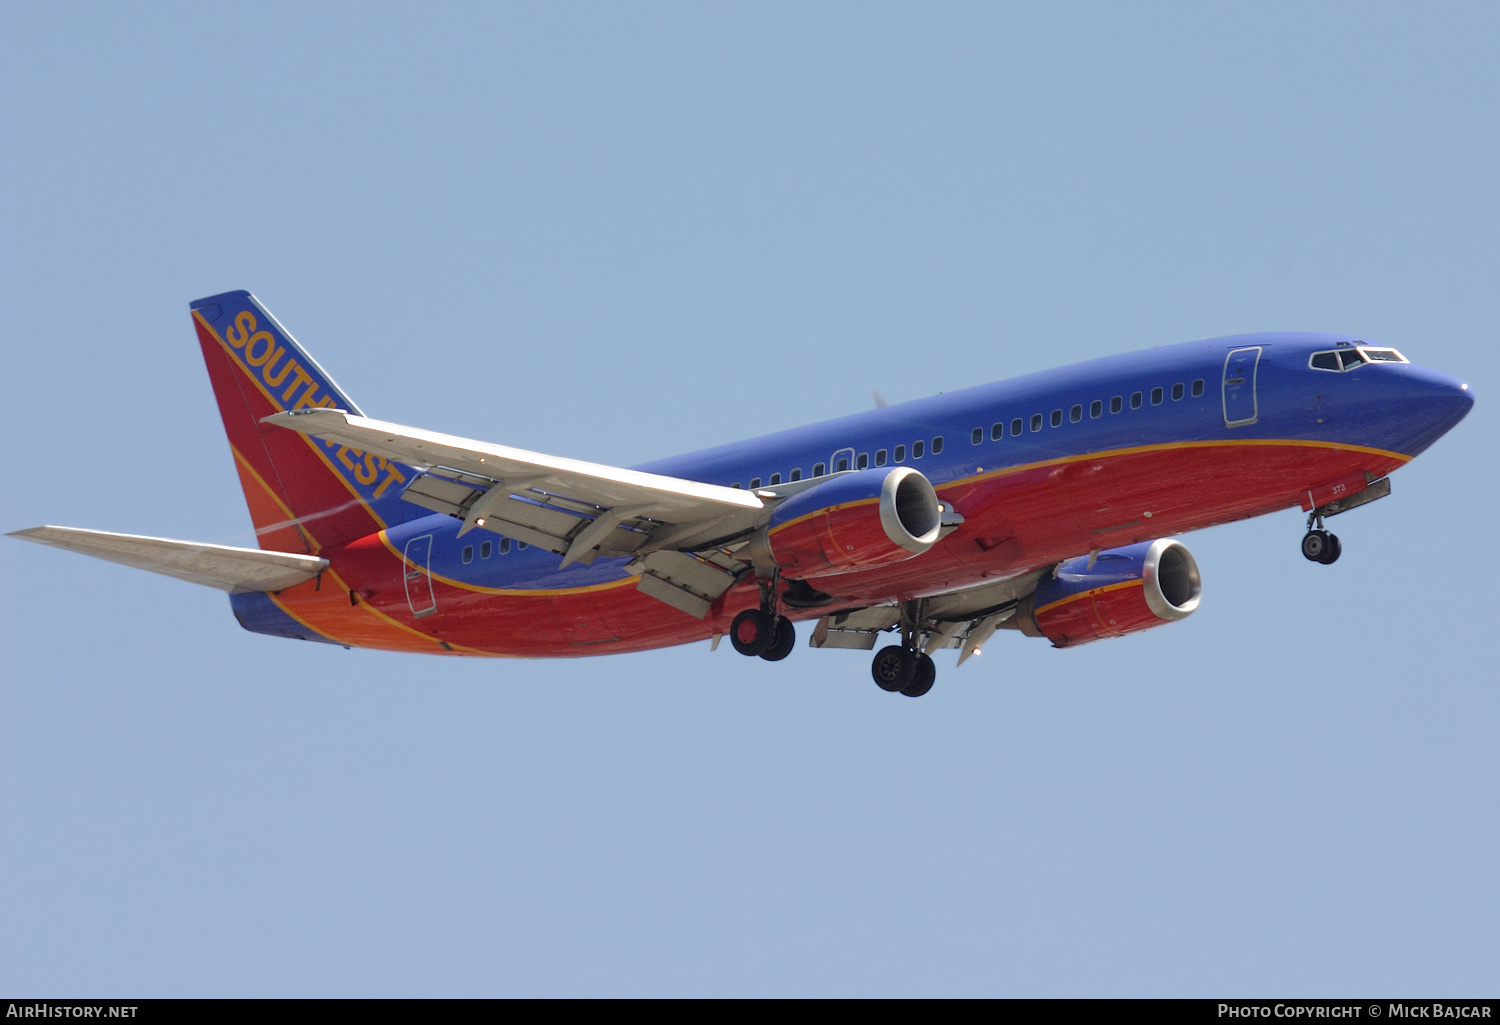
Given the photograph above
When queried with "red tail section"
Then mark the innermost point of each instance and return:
(304, 494)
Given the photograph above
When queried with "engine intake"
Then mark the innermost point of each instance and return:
(853, 521)
(1126, 590)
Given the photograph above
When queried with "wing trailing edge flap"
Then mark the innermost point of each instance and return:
(691, 583)
(236, 570)
(576, 509)
(962, 619)
(857, 628)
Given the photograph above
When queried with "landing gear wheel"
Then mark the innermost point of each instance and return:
(894, 668)
(1335, 549)
(782, 643)
(924, 678)
(752, 632)
(1316, 545)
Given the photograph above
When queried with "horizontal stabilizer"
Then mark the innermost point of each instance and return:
(236, 570)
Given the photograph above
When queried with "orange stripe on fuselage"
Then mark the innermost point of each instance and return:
(328, 611)
(829, 511)
(1176, 446)
(517, 592)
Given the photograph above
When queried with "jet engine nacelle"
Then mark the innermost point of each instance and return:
(853, 521)
(1127, 589)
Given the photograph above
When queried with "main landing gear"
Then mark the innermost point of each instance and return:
(757, 632)
(1319, 545)
(900, 668)
(903, 670)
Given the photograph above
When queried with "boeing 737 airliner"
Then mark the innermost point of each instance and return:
(1043, 504)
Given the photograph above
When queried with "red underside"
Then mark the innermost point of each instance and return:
(840, 540)
(1013, 522)
(1094, 615)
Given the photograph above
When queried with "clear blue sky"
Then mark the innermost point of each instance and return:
(620, 231)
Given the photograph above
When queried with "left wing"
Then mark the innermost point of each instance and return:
(577, 509)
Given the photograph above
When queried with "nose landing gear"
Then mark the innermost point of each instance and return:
(1319, 545)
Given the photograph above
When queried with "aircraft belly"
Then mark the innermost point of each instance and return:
(1015, 521)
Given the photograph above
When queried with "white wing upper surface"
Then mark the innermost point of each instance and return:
(575, 508)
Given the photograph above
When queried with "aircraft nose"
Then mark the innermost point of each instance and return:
(1444, 394)
(1433, 403)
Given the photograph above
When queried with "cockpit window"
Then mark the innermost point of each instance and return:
(1351, 358)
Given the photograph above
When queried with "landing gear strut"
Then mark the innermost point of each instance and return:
(1319, 545)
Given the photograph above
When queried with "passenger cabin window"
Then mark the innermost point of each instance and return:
(1116, 404)
(754, 483)
(484, 550)
(997, 431)
(1135, 400)
(819, 469)
(468, 555)
(917, 448)
(1198, 388)
(880, 455)
(843, 464)
(505, 544)
(1036, 422)
(520, 546)
(1075, 414)
(976, 435)
(796, 474)
(900, 453)
(1096, 409)
(775, 479)
(1057, 418)
(937, 445)
(863, 462)
(1156, 396)
(1177, 392)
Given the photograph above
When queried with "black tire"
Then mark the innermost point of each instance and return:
(1315, 545)
(924, 678)
(894, 668)
(751, 633)
(783, 643)
(1335, 549)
